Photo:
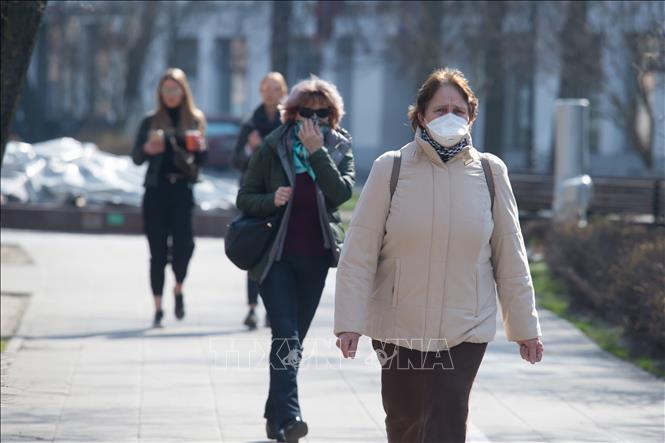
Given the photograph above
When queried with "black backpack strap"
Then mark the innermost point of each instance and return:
(394, 176)
(489, 177)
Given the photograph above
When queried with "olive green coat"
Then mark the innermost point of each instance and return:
(272, 166)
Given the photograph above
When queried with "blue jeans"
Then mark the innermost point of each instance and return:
(291, 293)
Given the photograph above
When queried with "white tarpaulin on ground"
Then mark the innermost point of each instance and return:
(67, 171)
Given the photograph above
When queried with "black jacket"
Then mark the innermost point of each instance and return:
(155, 161)
(259, 121)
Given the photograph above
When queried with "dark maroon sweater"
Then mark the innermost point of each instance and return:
(303, 235)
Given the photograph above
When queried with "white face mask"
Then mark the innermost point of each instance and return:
(448, 129)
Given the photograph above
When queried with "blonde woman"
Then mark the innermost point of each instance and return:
(432, 242)
(264, 120)
(305, 171)
(172, 140)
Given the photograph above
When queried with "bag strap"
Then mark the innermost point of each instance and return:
(489, 177)
(394, 176)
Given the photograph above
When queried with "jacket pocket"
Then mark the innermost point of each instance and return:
(396, 283)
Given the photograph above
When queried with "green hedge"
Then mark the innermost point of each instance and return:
(616, 271)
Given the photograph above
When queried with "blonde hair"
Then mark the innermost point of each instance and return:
(191, 117)
(313, 88)
(278, 78)
(436, 80)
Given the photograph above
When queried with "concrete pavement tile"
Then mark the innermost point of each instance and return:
(159, 434)
(98, 423)
(496, 419)
(189, 424)
(20, 433)
(127, 400)
(105, 384)
(183, 400)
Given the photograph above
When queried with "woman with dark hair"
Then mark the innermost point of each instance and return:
(434, 239)
(171, 139)
(305, 171)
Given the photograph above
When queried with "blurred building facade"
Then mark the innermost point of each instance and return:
(96, 64)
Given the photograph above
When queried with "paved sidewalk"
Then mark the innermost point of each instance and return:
(85, 366)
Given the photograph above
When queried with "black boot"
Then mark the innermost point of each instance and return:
(179, 307)
(251, 320)
(294, 430)
(274, 434)
(157, 321)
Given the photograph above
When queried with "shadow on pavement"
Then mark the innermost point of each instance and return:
(135, 333)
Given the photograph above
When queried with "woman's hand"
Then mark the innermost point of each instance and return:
(310, 135)
(153, 147)
(531, 350)
(347, 342)
(282, 195)
(254, 140)
(201, 143)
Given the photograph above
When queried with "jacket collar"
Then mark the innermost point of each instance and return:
(281, 142)
(469, 153)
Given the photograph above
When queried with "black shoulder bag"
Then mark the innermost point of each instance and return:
(248, 238)
(184, 160)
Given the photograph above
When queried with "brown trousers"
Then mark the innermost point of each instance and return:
(426, 394)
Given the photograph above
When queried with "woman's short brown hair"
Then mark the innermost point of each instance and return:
(313, 88)
(436, 80)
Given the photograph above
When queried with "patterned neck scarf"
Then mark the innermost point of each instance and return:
(301, 156)
(445, 153)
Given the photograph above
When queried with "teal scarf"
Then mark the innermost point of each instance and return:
(301, 154)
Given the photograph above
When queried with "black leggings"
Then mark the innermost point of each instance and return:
(252, 291)
(167, 215)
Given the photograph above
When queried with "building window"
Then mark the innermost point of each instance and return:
(223, 60)
(517, 94)
(304, 59)
(186, 58)
(231, 55)
(344, 76)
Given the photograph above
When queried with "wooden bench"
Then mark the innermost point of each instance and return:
(611, 195)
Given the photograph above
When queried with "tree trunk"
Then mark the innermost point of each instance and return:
(20, 21)
(430, 39)
(279, 48)
(136, 57)
(494, 69)
(575, 49)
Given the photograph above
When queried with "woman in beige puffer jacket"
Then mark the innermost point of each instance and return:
(421, 270)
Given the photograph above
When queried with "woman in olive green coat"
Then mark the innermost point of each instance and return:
(305, 170)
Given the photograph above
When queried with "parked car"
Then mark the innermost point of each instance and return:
(222, 133)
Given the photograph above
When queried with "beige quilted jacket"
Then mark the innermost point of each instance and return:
(424, 269)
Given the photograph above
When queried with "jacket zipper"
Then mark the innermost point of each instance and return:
(431, 247)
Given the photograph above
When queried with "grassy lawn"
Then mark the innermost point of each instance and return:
(3, 344)
(550, 296)
(347, 208)
(350, 204)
